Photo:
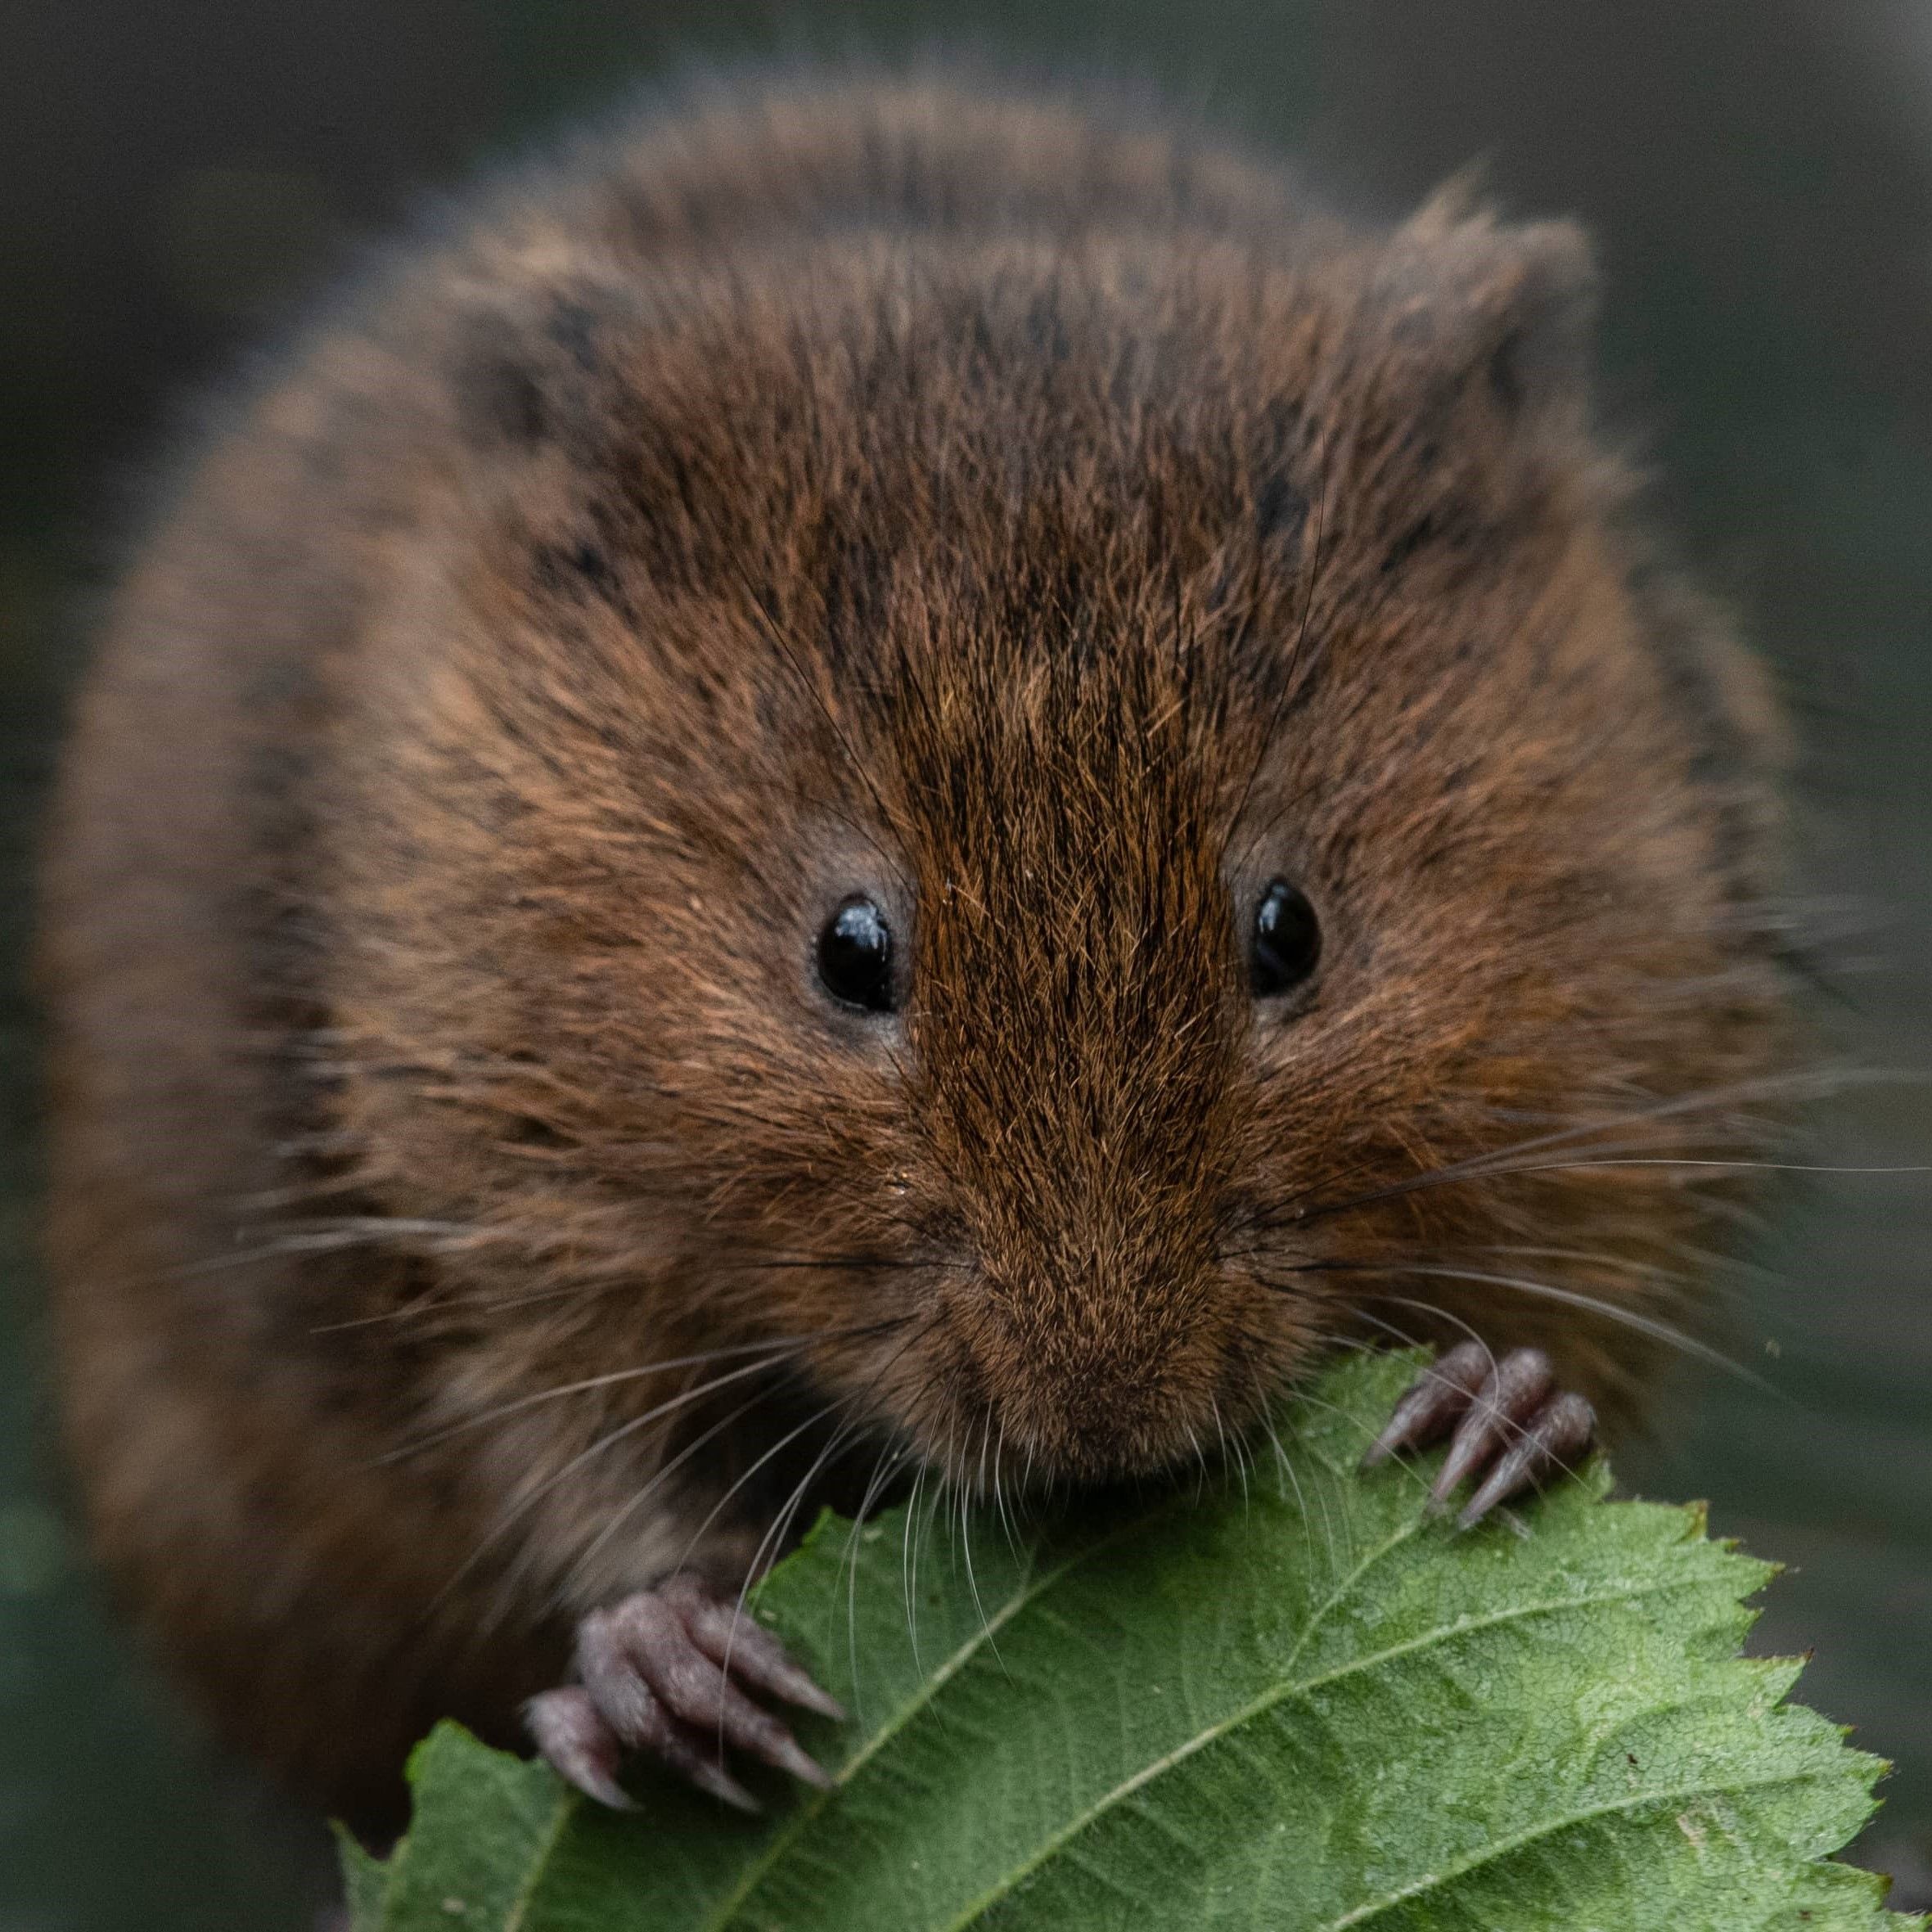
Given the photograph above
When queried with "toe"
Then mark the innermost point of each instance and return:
(626, 1712)
(697, 1759)
(1513, 1391)
(1432, 1402)
(729, 1637)
(640, 1666)
(613, 1680)
(1551, 1440)
(577, 1744)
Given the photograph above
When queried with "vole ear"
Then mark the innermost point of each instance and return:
(1507, 312)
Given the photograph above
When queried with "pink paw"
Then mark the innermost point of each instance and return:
(661, 1672)
(1508, 1416)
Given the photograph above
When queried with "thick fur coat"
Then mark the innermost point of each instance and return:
(1040, 520)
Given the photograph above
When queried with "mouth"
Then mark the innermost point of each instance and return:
(1063, 1425)
(1064, 1387)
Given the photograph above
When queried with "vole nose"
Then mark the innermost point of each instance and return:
(1092, 1387)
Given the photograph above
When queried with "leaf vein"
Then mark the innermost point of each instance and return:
(1275, 1694)
(1034, 1585)
(560, 1815)
(1548, 1828)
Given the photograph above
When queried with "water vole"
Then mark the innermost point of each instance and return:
(876, 772)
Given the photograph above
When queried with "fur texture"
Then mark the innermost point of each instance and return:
(1041, 521)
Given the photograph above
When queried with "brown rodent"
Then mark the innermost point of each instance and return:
(881, 768)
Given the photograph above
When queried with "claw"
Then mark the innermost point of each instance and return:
(1432, 1402)
(1562, 1431)
(787, 1754)
(1514, 1388)
(732, 1641)
(578, 1744)
(712, 1778)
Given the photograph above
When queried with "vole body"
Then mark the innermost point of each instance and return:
(1036, 525)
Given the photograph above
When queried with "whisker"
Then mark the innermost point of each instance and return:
(999, 1498)
(1201, 1459)
(852, 1264)
(768, 1354)
(1642, 1324)
(781, 1522)
(966, 1544)
(1705, 1271)
(1768, 1167)
(1284, 1463)
(697, 1537)
(1221, 1436)
(1426, 1308)
(1505, 1159)
(1287, 1470)
(603, 1443)
(909, 1566)
(774, 1538)
(631, 1427)
(883, 1473)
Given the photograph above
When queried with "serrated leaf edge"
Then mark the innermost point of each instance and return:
(1284, 1693)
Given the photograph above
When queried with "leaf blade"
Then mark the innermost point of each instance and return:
(1298, 1703)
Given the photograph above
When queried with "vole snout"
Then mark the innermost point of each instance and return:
(1087, 1379)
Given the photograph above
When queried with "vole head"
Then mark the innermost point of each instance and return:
(1004, 812)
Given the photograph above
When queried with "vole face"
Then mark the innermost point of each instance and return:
(1003, 823)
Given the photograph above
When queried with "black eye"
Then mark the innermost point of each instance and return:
(855, 957)
(1287, 940)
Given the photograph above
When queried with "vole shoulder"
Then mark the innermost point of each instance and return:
(875, 773)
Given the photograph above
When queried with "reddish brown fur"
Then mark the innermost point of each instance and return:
(1040, 520)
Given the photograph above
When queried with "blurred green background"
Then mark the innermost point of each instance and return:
(174, 178)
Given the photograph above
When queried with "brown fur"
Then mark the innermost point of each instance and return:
(1039, 519)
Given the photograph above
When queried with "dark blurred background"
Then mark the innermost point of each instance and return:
(174, 178)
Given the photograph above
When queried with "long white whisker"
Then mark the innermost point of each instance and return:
(770, 1353)
(883, 1472)
(774, 1538)
(778, 1447)
(603, 1443)
(1772, 1087)
(909, 1564)
(781, 1522)
(1663, 1331)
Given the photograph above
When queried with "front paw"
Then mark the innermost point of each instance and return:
(1508, 1413)
(661, 1672)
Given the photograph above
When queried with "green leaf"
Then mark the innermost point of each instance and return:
(365, 1879)
(1286, 1698)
